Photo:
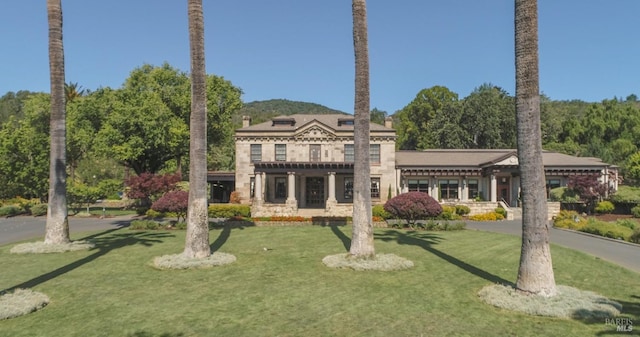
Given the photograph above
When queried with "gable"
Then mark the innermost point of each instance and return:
(314, 131)
(508, 161)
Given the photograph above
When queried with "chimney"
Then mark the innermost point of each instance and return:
(388, 122)
(246, 121)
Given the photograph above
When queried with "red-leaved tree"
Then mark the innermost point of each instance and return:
(148, 187)
(413, 206)
(589, 188)
(173, 202)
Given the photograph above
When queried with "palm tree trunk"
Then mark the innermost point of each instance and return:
(57, 226)
(362, 236)
(197, 240)
(535, 274)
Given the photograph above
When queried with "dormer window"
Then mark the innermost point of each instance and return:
(345, 121)
(283, 121)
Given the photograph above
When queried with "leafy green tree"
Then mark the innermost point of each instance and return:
(362, 233)
(414, 119)
(81, 195)
(11, 104)
(24, 151)
(489, 118)
(535, 272)
(632, 166)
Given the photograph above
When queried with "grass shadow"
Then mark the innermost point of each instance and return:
(346, 241)
(103, 245)
(221, 239)
(426, 241)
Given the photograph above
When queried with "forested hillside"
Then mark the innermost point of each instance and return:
(261, 111)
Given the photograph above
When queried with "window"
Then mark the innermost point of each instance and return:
(281, 152)
(348, 188)
(374, 153)
(448, 189)
(474, 190)
(418, 185)
(349, 156)
(315, 153)
(551, 184)
(375, 188)
(281, 187)
(256, 152)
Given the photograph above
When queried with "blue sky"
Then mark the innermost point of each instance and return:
(302, 50)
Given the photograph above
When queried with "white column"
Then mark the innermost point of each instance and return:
(465, 190)
(494, 188)
(291, 187)
(434, 188)
(332, 187)
(257, 189)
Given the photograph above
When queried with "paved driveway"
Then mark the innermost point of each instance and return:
(27, 227)
(624, 254)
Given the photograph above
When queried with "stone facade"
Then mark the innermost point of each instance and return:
(306, 162)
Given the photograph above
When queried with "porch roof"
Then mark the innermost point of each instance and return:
(307, 167)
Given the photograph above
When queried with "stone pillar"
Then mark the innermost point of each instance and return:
(291, 189)
(257, 192)
(332, 187)
(434, 189)
(465, 190)
(494, 188)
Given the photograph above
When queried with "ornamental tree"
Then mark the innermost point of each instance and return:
(173, 202)
(148, 187)
(413, 206)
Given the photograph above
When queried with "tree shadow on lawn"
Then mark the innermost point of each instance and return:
(426, 242)
(103, 245)
(346, 241)
(630, 311)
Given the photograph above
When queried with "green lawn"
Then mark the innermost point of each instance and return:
(286, 290)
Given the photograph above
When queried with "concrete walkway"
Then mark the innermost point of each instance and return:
(619, 252)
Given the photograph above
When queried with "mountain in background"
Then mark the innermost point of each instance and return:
(262, 111)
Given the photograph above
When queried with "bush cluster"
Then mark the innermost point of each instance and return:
(39, 209)
(608, 230)
(490, 216)
(569, 220)
(501, 211)
(449, 213)
(604, 207)
(378, 211)
(636, 211)
(9, 210)
(176, 202)
(282, 218)
(462, 210)
(229, 211)
(144, 224)
(413, 206)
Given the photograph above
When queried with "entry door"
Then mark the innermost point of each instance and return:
(315, 192)
(504, 186)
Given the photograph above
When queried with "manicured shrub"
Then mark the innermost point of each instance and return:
(449, 213)
(378, 210)
(9, 210)
(39, 210)
(229, 211)
(173, 201)
(490, 216)
(462, 210)
(635, 237)
(604, 207)
(569, 220)
(627, 223)
(501, 211)
(144, 224)
(413, 206)
(608, 230)
(148, 187)
(636, 211)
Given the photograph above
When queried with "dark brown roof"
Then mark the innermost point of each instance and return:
(463, 158)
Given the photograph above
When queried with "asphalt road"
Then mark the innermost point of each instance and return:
(625, 254)
(619, 252)
(27, 227)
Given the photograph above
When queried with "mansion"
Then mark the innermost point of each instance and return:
(303, 165)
